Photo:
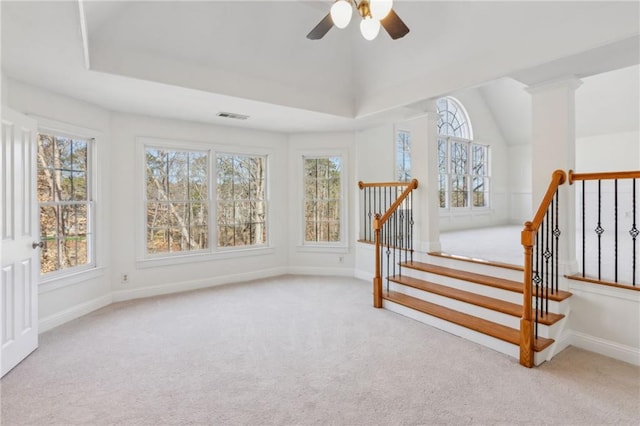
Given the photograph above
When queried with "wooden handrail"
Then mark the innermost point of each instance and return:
(557, 178)
(632, 174)
(528, 238)
(378, 222)
(363, 185)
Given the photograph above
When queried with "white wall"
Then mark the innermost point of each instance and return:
(610, 152)
(606, 320)
(520, 184)
(156, 277)
(4, 89)
(374, 162)
(316, 260)
(64, 299)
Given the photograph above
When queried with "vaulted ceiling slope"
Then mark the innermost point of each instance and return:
(190, 60)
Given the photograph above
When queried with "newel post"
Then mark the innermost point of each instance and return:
(526, 322)
(377, 279)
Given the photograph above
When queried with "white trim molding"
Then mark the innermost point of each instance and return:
(606, 347)
(73, 312)
(138, 293)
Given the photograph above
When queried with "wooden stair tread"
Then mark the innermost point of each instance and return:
(498, 331)
(593, 280)
(498, 305)
(477, 261)
(487, 280)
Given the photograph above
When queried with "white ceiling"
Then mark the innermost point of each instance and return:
(190, 60)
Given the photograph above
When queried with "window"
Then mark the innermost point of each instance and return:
(322, 199)
(463, 166)
(403, 156)
(177, 200)
(65, 202)
(242, 209)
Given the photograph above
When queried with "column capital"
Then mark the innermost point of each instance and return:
(569, 82)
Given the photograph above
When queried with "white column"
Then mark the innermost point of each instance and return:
(424, 162)
(554, 147)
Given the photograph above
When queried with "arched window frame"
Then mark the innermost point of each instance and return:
(463, 165)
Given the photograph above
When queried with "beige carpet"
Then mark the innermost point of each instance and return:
(296, 350)
(497, 243)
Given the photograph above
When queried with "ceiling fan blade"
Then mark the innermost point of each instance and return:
(321, 29)
(394, 25)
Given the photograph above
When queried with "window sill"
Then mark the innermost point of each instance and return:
(322, 249)
(203, 257)
(47, 285)
(465, 211)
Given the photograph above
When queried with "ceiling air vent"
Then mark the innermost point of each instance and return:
(232, 115)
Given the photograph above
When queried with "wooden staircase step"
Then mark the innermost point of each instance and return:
(487, 280)
(498, 305)
(477, 261)
(498, 331)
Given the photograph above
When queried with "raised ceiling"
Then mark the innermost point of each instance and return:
(190, 60)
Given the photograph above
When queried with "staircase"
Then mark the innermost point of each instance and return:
(481, 302)
(517, 311)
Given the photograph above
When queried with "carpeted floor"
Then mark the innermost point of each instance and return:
(496, 243)
(296, 350)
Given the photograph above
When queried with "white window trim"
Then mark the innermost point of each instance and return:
(448, 210)
(341, 246)
(395, 151)
(70, 276)
(145, 260)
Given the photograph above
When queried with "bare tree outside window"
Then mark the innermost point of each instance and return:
(177, 200)
(463, 166)
(241, 191)
(403, 156)
(64, 197)
(322, 199)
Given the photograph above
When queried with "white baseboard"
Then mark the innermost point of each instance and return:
(309, 270)
(138, 293)
(74, 312)
(606, 347)
(363, 275)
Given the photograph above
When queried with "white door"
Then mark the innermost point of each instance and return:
(20, 252)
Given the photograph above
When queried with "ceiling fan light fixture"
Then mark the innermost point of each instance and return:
(380, 8)
(369, 28)
(341, 12)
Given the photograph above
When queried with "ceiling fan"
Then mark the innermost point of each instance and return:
(374, 13)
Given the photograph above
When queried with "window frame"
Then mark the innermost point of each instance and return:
(468, 175)
(146, 201)
(213, 252)
(266, 243)
(448, 176)
(340, 246)
(72, 275)
(405, 152)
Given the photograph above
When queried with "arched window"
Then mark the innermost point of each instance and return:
(463, 166)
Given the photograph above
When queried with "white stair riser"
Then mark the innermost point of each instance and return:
(484, 290)
(457, 330)
(496, 293)
(468, 308)
(478, 268)
(456, 305)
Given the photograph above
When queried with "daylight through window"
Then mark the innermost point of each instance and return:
(463, 166)
(177, 200)
(64, 197)
(403, 156)
(242, 209)
(322, 199)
